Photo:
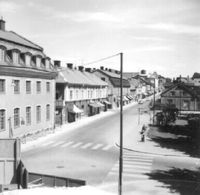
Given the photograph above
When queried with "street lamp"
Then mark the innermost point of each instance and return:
(154, 99)
(121, 126)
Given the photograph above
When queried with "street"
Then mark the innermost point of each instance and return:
(87, 153)
(90, 153)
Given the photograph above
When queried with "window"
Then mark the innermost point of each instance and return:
(38, 114)
(71, 95)
(82, 94)
(48, 112)
(16, 117)
(76, 94)
(103, 78)
(28, 115)
(15, 58)
(28, 86)
(2, 55)
(38, 86)
(16, 86)
(2, 120)
(169, 101)
(2, 85)
(48, 86)
(27, 60)
(172, 93)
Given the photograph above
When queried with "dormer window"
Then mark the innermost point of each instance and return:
(15, 57)
(45, 63)
(28, 59)
(2, 53)
(37, 60)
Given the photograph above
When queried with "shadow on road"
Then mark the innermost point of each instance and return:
(177, 139)
(183, 181)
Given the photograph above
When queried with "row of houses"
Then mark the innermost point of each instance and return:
(37, 94)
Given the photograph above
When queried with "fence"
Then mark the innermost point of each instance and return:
(52, 181)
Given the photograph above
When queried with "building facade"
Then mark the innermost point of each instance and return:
(184, 97)
(27, 86)
(112, 77)
(79, 93)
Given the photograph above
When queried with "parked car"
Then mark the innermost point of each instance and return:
(141, 101)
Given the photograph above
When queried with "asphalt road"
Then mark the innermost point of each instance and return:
(88, 152)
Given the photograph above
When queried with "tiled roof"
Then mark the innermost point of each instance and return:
(115, 78)
(15, 38)
(194, 91)
(72, 76)
(130, 74)
(116, 82)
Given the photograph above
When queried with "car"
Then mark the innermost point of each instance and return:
(140, 101)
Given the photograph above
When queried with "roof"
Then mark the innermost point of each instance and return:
(110, 74)
(130, 74)
(194, 91)
(144, 79)
(18, 39)
(116, 82)
(72, 76)
(115, 78)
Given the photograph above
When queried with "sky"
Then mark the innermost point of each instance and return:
(155, 35)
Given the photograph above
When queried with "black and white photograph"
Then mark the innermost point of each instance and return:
(100, 97)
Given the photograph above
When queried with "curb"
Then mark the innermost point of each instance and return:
(152, 153)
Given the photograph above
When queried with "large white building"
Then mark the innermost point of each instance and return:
(27, 86)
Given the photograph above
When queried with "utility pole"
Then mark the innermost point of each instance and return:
(154, 99)
(121, 126)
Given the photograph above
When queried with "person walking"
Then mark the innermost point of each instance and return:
(142, 132)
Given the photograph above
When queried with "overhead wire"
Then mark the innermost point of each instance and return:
(101, 59)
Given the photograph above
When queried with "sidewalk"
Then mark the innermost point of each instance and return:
(149, 146)
(71, 127)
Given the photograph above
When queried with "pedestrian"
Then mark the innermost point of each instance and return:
(142, 132)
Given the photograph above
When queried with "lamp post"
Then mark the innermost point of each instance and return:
(121, 126)
(154, 99)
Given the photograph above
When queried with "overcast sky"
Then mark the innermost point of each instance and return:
(156, 35)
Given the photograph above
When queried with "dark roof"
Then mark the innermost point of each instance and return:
(76, 77)
(130, 74)
(196, 75)
(116, 82)
(194, 91)
(115, 78)
(18, 39)
(143, 79)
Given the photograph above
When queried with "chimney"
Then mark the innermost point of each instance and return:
(94, 68)
(116, 71)
(2, 24)
(110, 70)
(69, 65)
(101, 67)
(88, 69)
(81, 68)
(106, 68)
(57, 63)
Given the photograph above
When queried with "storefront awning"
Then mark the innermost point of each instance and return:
(107, 102)
(95, 105)
(130, 98)
(125, 98)
(75, 109)
(100, 104)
